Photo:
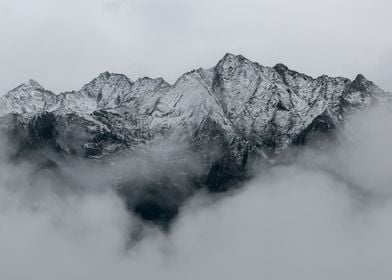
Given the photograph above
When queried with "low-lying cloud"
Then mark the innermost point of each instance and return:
(326, 215)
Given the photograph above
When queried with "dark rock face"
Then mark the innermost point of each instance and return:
(227, 118)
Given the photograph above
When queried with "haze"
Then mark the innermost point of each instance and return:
(325, 216)
(63, 44)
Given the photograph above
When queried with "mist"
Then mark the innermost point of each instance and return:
(325, 214)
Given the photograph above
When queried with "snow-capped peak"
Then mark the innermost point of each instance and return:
(231, 115)
(280, 67)
(33, 83)
(271, 105)
(28, 85)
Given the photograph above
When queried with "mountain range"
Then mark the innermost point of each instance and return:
(206, 131)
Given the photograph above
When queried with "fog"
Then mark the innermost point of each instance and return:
(324, 215)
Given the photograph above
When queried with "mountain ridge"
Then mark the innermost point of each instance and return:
(229, 117)
(109, 73)
(242, 96)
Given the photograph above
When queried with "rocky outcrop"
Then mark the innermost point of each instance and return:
(230, 115)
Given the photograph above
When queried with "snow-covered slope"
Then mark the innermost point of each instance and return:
(205, 130)
(28, 98)
(268, 106)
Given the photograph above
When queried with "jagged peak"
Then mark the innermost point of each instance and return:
(284, 70)
(360, 79)
(104, 75)
(162, 81)
(158, 80)
(107, 76)
(150, 82)
(196, 75)
(280, 67)
(28, 85)
(33, 83)
(185, 76)
(229, 57)
(361, 83)
(231, 63)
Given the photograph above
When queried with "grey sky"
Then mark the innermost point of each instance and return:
(64, 44)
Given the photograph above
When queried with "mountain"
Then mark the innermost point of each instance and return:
(226, 118)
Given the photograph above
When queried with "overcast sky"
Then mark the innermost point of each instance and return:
(64, 44)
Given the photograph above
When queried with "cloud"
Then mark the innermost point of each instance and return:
(326, 215)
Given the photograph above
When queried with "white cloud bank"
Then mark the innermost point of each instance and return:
(326, 216)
